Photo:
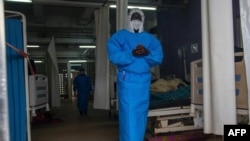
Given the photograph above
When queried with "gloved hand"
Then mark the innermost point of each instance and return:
(140, 50)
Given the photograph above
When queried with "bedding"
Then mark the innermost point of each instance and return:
(179, 97)
(163, 85)
(170, 111)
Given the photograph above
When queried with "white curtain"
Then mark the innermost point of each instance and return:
(101, 93)
(53, 75)
(4, 111)
(218, 65)
(121, 12)
(245, 28)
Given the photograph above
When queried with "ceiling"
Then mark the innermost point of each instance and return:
(71, 22)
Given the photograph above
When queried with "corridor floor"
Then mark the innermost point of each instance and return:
(96, 126)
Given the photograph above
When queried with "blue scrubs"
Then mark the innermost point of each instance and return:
(133, 80)
(82, 84)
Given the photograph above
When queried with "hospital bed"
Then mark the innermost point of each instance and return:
(170, 111)
(240, 83)
(38, 89)
(182, 108)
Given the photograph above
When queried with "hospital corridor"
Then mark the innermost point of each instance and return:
(124, 70)
(68, 125)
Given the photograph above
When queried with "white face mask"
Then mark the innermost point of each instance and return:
(136, 24)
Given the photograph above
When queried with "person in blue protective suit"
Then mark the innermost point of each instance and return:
(134, 52)
(82, 86)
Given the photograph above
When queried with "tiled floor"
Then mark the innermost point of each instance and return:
(96, 126)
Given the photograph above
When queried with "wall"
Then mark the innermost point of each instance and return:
(179, 28)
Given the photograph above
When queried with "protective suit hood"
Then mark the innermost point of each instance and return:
(136, 24)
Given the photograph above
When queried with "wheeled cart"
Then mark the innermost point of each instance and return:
(38, 89)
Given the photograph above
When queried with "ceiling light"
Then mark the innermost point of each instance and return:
(28, 1)
(140, 7)
(37, 61)
(33, 46)
(78, 65)
(84, 46)
(77, 61)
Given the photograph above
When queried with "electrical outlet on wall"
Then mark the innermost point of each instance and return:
(194, 48)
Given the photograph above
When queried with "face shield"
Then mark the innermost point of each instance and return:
(135, 20)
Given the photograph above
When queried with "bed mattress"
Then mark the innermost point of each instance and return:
(178, 97)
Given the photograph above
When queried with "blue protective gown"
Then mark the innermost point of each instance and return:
(82, 85)
(133, 80)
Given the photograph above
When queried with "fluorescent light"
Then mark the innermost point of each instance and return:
(88, 46)
(37, 61)
(33, 46)
(28, 1)
(140, 7)
(76, 65)
(77, 61)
